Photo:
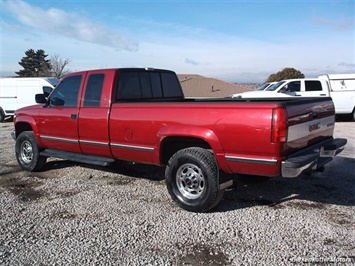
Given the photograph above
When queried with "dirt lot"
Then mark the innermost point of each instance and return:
(72, 213)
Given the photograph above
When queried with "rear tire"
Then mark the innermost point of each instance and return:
(192, 179)
(27, 152)
(2, 115)
(346, 117)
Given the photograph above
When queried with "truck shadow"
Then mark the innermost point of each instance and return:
(335, 186)
(135, 170)
(343, 119)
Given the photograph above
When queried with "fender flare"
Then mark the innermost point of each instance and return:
(201, 133)
(28, 120)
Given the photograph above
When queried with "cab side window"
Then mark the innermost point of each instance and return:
(291, 87)
(66, 93)
(313, 85)
(93, 90)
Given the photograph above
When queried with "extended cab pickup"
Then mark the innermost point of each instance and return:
(141, 115)
(340, 87)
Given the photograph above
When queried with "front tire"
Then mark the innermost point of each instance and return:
(27, 152)
(192, 179)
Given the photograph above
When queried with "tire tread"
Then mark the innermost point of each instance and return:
(207, 160)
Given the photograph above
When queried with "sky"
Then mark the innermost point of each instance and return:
(236, 41)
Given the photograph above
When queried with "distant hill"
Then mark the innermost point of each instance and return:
(250, 86)
(195, 85)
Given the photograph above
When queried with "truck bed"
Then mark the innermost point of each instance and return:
(239, 131)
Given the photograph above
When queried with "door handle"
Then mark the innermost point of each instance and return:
(73, 116)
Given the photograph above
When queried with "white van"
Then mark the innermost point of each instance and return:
(19, 92)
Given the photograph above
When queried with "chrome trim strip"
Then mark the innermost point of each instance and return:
(251, 160)
(93, 143)
(131, 147)
(59, 139)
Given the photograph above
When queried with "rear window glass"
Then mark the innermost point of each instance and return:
(147, 85)
(171, 86)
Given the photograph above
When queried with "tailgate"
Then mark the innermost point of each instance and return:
(310, 120)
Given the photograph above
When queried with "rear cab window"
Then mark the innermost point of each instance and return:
(313, 85)
(141, 84)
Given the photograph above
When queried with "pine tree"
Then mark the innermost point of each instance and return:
(34, 64)
(286, 73)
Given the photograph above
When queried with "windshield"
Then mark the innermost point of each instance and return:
(275, 86)
(53, 81)
(263, 87)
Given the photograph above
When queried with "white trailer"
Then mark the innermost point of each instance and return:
(19, 92)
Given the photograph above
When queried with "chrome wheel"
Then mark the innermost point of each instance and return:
(190, 181)
(26, 152)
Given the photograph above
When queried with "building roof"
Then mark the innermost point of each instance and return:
(195, 85)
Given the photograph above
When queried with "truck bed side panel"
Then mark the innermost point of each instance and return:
(243, 129)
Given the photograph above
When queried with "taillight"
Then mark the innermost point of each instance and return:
(279, 125)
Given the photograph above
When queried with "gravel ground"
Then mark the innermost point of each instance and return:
(75, 214)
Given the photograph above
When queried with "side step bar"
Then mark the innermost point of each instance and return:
(81, 158)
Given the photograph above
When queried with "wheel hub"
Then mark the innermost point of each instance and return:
(26, 152)
(190, 181)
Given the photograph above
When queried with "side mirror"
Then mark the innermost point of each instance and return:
(40, 98)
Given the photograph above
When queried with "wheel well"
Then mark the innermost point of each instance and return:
(170, 145)
(20, 127)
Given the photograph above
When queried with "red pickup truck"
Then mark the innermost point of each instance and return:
(141, 115)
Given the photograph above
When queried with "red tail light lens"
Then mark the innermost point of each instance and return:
(279, 125)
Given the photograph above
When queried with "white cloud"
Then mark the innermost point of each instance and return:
(164, 45)
(191, 61)
(71, 25)
(348, 65)
(343, 24)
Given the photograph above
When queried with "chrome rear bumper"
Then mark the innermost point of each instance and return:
(312, 158)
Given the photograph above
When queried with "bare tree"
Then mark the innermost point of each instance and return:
(58, 66)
